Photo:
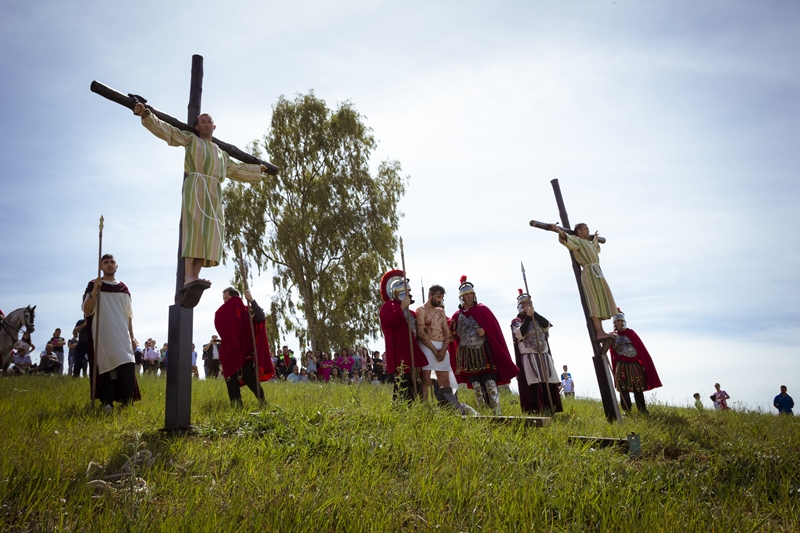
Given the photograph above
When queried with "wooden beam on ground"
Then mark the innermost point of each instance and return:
(530, 421)
(632, 444)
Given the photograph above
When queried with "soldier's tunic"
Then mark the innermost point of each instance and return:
(206, 167)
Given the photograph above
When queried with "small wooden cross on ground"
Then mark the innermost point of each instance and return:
(177, 416)
(601, 367)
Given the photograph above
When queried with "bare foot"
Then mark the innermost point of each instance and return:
(603, 336)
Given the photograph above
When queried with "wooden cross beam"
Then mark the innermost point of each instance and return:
(601, 367)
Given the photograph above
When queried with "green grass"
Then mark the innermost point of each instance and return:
(338, 458)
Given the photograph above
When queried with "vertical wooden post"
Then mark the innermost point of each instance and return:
(178, 408)
(604, 379)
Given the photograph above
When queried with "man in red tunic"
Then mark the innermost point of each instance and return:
(395, 319)
(634, 370)
(482, 358)
(233, 323)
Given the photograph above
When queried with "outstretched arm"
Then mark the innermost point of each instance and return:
(166, 132)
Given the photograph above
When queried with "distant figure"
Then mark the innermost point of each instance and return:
(567, 385)
(211, 364)
(58, 343)
(697, 403)
(80, 363)
(48, 361)
(566, 373)
(195, 371)
(720, 399)
(783, 402)
(294, 375)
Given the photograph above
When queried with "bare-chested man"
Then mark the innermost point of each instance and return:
(433, 336)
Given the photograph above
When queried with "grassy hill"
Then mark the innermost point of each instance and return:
(340, 458)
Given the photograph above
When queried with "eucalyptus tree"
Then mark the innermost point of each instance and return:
(325, 225)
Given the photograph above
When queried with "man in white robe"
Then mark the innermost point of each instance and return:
(107, 306)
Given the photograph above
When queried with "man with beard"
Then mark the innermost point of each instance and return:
(236, 351)
(396, 319)
(482, 358)
(633, 368)
(530, 332)
(433, 337)
(107, 306)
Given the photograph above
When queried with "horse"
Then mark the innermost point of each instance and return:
(9, 330)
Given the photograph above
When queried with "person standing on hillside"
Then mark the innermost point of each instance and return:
(783, 402)
(530, 330)
(396, 318)
(236, 351)
(482, 358)
(433, 337)
(111, 343)
(633, 367)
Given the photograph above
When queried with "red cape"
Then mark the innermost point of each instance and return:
(395, 332)
(506, 368)
(232, 321)
(104, 287)
(643, 358)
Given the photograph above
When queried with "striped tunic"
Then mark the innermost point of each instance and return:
(206, 167)
(598, 294)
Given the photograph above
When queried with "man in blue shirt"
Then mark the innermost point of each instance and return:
(783, 402)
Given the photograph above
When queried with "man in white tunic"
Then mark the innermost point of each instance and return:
(107, 306)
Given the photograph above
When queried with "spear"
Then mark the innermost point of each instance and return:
(538, 346)
(243, 271)
(97, 310)
(410, 338)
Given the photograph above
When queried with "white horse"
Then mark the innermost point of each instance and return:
(9, 330)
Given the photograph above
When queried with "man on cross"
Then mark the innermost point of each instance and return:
(586, 250)
(206, 166)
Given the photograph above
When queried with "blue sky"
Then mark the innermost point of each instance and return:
(672, 127)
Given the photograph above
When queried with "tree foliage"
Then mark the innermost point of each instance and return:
(325, 225)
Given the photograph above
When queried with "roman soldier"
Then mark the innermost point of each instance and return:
(396, 319)
(538, 380)
(634, 370)
(482, 358)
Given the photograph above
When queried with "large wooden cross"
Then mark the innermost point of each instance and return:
(178, 409)
(601, 367)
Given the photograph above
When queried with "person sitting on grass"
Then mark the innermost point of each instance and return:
(48, 361)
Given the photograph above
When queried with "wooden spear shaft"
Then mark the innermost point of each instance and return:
(539, 353)
(97, 310)
(410, 338)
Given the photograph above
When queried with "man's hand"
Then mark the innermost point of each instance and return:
(139, 109)
(441, 353)
(248, 296)
(263, 169)
(405, 302)
(133, 345)
(480, 332)
(97, 284)
(530, 311)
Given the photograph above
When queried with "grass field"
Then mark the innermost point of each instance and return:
(339, 458)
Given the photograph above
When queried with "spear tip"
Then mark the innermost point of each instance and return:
(101, 222)
(522, 266)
